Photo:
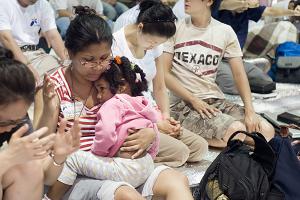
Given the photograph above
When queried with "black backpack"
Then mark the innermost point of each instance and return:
(239, 172)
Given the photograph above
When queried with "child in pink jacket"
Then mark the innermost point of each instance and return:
(123, 108)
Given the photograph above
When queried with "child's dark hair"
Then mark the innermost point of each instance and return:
(16, 80)
(87, 28)
(157, 19)
(122, 70)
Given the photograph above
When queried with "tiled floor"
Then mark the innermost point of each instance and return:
(287, 99)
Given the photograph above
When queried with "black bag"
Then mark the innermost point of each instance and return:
(239, 172)
(261, 86)
(287, 173)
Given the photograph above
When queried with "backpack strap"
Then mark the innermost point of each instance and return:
(263, 152)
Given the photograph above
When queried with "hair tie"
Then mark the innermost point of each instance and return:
(118, 60)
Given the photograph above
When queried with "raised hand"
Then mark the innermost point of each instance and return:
(30, 147)
(66, 142)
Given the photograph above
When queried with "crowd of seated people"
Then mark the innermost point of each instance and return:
(129, 93)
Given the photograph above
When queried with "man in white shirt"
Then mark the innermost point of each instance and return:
(20, 23)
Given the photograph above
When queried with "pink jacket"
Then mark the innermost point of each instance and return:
(116, 116)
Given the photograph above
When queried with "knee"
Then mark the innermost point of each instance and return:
(182, 154)
(127, 193)
(182, 179)
(177, 180)
(235, 126)
(199, 149)
(130, 195)
(267, 130)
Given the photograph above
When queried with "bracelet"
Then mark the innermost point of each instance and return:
(54, 162)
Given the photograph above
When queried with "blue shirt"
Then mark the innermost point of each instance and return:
(239, 21)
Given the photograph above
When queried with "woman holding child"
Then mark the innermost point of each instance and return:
(88, 41)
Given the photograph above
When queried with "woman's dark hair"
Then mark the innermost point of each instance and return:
(87, 28)
(16, 80)
(157, 18)
(118, 74)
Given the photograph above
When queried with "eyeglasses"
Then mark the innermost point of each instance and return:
(104, 63)
(13, 122)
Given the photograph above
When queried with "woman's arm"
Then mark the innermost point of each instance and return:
(8, 41)
(46, 107)
(56, 42)
(233, 5)
(64, 13)
(6, 163)
(65, 144)
(175, 86)
(242, 84)
(159, 89)
(278, 12)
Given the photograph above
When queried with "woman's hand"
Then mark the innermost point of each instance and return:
(205, 110)
(170, 127)
(252, 121)
(31, 147)
(49, 94)
(138, 141)
(66, 142)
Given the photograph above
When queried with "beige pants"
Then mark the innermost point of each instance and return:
(42, 61)
(174, 152)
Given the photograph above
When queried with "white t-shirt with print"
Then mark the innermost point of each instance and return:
(25, 23)
(68, 5)
(197, 54)
(147, 63)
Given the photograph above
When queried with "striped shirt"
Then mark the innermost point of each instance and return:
(88, 117)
